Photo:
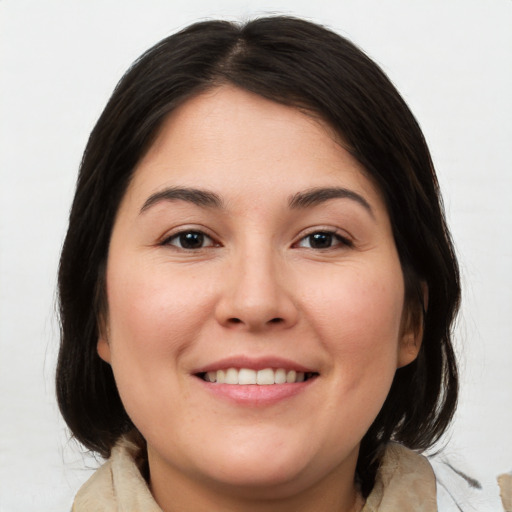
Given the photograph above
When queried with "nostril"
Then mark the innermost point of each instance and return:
(276, 320)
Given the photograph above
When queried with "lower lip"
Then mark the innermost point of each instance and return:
(257, 395)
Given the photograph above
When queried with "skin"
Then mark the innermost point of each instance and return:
(257, 287)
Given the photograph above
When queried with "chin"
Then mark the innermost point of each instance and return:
(268, 467)
(262, 479)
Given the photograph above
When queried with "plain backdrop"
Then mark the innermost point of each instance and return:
(59, 61)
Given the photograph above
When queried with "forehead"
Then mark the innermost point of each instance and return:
(238, 143)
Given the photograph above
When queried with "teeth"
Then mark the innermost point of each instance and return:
(265, 376)
(231, 376)
(245, 376)
(280, 376)
(291, 376)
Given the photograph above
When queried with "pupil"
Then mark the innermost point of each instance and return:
(191, 240)
(321, 240)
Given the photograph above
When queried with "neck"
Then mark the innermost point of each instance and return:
(175, 491)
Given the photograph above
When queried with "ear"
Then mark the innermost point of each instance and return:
(103, 345)
(408, 349)
(411, 335)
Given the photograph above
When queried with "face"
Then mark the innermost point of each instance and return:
(255, 299)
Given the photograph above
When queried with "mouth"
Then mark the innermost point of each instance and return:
(263, 377)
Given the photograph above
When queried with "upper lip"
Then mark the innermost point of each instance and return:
(259, 363)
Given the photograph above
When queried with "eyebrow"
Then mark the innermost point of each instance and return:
(315, 196)
(195, 196)
(207, 199)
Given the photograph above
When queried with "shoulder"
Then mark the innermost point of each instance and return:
(116, 485)
(97, 493)
(407, 480)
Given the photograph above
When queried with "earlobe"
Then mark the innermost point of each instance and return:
(409, 348)
(412, 329)
(103, 349)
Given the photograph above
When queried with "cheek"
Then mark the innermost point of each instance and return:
(154, 318)
(358, 315)
(360, 300)
(153, 313)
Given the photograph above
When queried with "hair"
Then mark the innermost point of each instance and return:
(305, 66)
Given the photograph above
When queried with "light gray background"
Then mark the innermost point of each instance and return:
(59, 62)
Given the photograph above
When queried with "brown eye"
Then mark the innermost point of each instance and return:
(190, 240)
(320, 240)
(323, 240)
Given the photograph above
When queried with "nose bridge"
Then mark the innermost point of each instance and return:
(256, 293)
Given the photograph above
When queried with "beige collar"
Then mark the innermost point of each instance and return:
(405, 482)
(117, 486)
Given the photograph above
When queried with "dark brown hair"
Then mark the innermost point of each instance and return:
(303, 65)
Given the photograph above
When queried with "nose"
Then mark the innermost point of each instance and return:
(257, 294)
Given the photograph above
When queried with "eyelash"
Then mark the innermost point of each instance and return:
(179, 237)
(329, 236)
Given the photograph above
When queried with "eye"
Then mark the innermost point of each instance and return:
(189, 240)
(323, 240)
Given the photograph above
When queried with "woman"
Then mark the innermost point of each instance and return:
(257, 286)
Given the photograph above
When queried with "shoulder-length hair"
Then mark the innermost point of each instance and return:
(302, 65)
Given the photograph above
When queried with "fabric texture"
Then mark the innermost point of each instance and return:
(505, 482)
(117, 486)
(405, 482)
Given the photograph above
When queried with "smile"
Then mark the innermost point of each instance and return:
(263, 377)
